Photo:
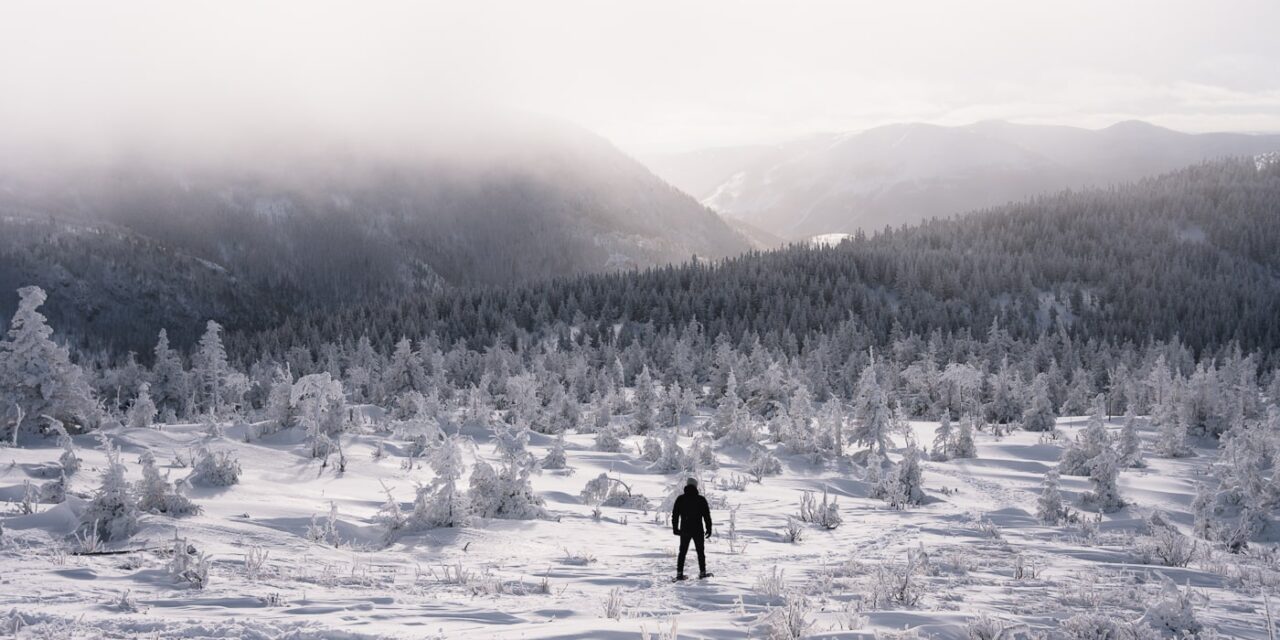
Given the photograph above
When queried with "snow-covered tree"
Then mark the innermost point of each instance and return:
(37, 374)
(169, 383)
(505, 493)
(1130, 446)
(644, 407)
(1104, 472)
(903, 485)
(1050, 508)
(964, 445)
(210, 369)
(112, 514)
(142, 413)
(1079, 456)
(875, 419)
(317, 402)
(943, 439)
(441, 503)
(215, 468)
(157, 495)
(1039, 415)
(608, 440)
(672, 457)
(556, 458)
(1172, 441)
(729, 412)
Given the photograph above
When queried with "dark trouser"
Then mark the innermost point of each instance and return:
(699, 539)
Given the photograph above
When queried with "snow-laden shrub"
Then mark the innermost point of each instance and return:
(763, 463)
(215, 469)
(317, 402)
(1173, 612)
(703, 453)
(142, 413)
(68, 459)
(1104, 474)
(556, 458)
(793, 530)
(505, 493)
(390, 516)
(613, 604)
(826, 514)
(772, 583)
(113, 512)
(1166, 546)
(985, 627)
(788, 622)
(157, 495)
(672, 458)
(1050, 509)
(651, 449)
(54, 491)
(325, 531)
(1099, 626)
(185, 565)
(604, 490)
(608, 440)
(1079, 458)
(899, 583)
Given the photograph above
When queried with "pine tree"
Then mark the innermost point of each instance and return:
(168, 379)
(1049, 508)
(37, 374)
(644, 411)
(1078, 459)
(211, 369)
(1103, 475)
(441, 504)
(112, 515)
(1172, 441)
(942, 439)
(964, 446)
(729, 411)
(1130, 446)
(142, 413)
(1039, 415)
(875, 420)
(157, 495)
(556, 458)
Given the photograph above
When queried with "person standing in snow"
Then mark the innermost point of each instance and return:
(688, 516)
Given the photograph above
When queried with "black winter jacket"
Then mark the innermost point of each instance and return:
(690, 512)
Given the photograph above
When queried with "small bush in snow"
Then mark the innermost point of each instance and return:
(1049, 508)
(54, 491)
(556, 458)
(793, 531)
(608, 440)
(68, 459)
(442, 504)
(157, 495)
(390, 516)
(505, 493)
(771, 583)
(1098, 626)
(612, 492)
(215, 469)
(902, 486)
(788, 622)
(899, 583)
(1173, 612)
(763, 463)
(985, 627)
(142, 413)
(186, 566)
(826, 513)
(613, 604)
(1167, 546)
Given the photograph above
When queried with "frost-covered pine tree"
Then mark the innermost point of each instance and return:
(404, 372)
(37, 374)
(210, 369)
(1049, 508)
(112, 514)
(1104, 474)
(157, 495)
(875, 419)
(1172, 441)
(1079, 456)
(142, 413)
(1039, 415)
(69, 461)
(942, 439)
(390, 516)
(556, 458)
(672, 457)
(644, 410)
(169, 384)
(965, 446)
(441, 503)
(1203, 524)
(608, 440)
(1130, 446)
(729, 411)
(903, 486)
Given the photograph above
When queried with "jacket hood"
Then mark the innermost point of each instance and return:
(690, 490)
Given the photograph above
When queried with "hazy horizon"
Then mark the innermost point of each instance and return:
(652, 78)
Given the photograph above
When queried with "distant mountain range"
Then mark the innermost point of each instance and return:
(135, 242)
(906, 173)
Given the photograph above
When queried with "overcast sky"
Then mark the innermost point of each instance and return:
(650, 75)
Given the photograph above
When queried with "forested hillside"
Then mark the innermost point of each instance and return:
(1191, 256)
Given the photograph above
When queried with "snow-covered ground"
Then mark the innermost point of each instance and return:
(984, 551)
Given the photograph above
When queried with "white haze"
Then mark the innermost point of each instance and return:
(651, 76)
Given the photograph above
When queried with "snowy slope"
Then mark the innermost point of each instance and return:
(517, 579)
